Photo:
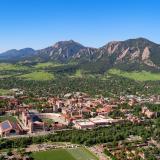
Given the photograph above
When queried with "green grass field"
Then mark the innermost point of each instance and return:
(4, 76)
(79, 74)
(138, 76)
(48, 121)
(58, 154)
(4, 92)
(82, 154)
(65, 154)
(38, 75)
(7, 66)
(47, 65)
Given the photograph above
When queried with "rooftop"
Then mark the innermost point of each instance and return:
(84, 122)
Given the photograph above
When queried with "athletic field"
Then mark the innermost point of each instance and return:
(65, 154)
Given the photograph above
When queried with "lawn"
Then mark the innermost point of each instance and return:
(82, 154)
(138, 76)
(58, 154)
(48, 121)
(4, 92)
(38, 75)
(46, 65)
(65, 154)
(10, 118)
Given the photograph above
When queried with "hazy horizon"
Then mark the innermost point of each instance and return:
(74, 41)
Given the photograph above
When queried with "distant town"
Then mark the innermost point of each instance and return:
(23, 116)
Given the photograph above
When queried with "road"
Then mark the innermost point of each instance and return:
(36, 134)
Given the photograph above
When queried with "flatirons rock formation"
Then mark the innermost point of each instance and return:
(133, 53)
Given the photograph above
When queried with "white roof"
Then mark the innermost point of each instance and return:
(100, 120)
(84, 122)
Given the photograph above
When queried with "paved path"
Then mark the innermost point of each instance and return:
(36, 134)
(49, 146)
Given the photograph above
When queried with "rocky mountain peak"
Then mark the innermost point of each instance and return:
(70, 43)
(140, 51)
(146, 54)
(112, 46)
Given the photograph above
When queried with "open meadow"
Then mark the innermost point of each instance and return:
(136, 75)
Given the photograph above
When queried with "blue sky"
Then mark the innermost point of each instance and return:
(41, 23)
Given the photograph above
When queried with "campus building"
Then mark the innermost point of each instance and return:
(8, 128)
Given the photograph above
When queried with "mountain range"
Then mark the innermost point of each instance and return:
(132, 54)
